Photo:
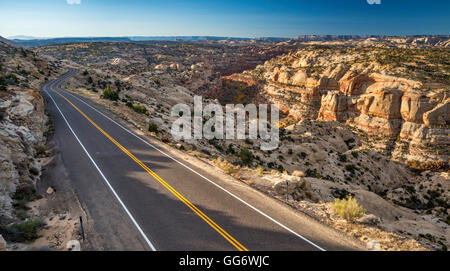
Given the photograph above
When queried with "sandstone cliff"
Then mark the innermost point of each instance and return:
(400, 98)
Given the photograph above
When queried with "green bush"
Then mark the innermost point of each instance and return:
(280, 168)
(153, 128)
(34, 171)
(140, 109)
(351, 168)
(342, 157)
(246, 156)
(349, 209)
(302, 155)
(110, 94)
(21, 214)
(22, 232)
(11, 79)
(26, 193)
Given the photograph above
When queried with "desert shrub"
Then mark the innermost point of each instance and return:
(21, 214)
(230, 149)
(349, 209)
(26, 193)
(34, 171)
(246, 156)
(260, 171)
(340, 193)
(351, 168)
(153, 128)
(140, 109)
(22, 232)
(342, 157)
(355, 154)
(313, 173)
(302, 155)
(226, 166)
(11, 79)
(110, 94)
(280, 168)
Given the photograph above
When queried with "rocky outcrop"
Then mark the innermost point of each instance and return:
(22, 122)
(408, 118)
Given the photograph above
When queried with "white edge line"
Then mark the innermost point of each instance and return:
(101, 173)
(228, 192)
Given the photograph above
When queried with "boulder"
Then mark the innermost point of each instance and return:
(2, 243)
(369, 219)
(289, 184)
(299, 173)
(373, 245)
(50, 191)
(73, 245)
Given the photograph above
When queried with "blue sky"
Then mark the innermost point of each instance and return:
(244, 18)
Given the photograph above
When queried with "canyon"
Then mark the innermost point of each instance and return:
(360, 116)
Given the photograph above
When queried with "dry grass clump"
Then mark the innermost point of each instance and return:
(349, 209)
(226, 166)
(260, 171)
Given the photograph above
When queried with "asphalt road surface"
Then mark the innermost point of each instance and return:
(140, 198)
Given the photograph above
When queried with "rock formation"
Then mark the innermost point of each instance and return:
(403, 107)
(22, 121)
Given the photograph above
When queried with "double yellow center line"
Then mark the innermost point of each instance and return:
(191, 206)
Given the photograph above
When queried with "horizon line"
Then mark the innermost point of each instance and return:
(17, 37)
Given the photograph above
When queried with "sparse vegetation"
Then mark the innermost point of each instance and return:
(25, 231)
(140, 109)
(110, 94)
(153, 127)
(348, 208)
(246, 156)
(226, 166)
(260, 171)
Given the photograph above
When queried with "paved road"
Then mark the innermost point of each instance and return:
(140, 198)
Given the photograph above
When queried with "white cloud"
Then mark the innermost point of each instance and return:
(74, 2)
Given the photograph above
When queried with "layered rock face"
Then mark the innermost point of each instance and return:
(22, 122)
(404, 107)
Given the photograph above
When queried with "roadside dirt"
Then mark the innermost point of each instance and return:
(58, 208)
